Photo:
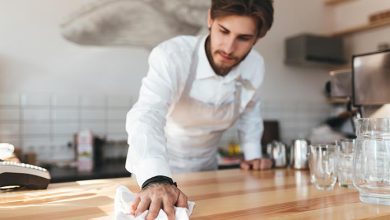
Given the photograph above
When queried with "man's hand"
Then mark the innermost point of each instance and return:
(256, 164)
(156, 196)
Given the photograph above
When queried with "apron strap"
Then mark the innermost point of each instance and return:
(193, 65)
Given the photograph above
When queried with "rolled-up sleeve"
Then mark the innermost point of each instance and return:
(250, 130)
(147, 154)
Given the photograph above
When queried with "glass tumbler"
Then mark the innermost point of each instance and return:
(371, 160)
(345, 148)
(322, 164)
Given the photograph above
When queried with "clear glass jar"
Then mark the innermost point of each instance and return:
(371, 160)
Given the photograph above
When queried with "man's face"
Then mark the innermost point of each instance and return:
(231, 39)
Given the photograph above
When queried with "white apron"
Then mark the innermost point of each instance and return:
(194, 128)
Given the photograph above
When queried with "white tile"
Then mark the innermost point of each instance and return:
(95, 114)
(35, 99)
(62, 141)
(117, 137)
(116, 127)
(9, 100)
(65, 128)
(36, 129)
(120, 101)
(36, 114)
(11, 140)
(9, 114)
(65, 100)
(69, 115)
(117, 114)
(9, 129)
(40, 144)
(93, 101)
(96, 127)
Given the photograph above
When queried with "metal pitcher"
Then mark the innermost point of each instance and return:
(277, 151)
(299, 154)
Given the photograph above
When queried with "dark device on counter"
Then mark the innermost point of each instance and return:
(14, 174)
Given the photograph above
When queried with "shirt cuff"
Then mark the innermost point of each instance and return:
(149, 168)
(251, 151)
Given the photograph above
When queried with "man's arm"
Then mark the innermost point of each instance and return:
(147, 155)
(250, 130)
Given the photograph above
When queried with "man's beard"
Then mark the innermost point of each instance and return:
(221, 70)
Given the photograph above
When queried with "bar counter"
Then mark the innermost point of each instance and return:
(223, 194)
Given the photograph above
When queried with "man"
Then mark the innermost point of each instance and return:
(195, 89)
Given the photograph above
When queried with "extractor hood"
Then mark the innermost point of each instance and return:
(314, 50)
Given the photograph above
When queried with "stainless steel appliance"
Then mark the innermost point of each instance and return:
(370, 81)
(278, 153)
(299, 154)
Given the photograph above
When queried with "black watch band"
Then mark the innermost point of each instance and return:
(158, 179)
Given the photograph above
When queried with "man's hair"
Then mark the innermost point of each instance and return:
(261, 10)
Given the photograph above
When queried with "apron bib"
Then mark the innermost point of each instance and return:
(194, 128)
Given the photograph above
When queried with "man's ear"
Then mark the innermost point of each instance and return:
(209, 19)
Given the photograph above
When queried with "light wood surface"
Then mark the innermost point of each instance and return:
(226, 194)
(335, 2)
(361, 28)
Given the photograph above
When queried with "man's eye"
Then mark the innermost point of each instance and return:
(244, 39)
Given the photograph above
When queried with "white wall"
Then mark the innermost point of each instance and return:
(356, 13)
(35, 58)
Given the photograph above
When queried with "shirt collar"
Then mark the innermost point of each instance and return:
(204, 69)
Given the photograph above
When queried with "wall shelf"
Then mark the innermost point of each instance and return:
(361, 28)
(335, 2)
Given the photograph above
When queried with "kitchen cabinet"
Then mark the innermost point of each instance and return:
(223, 194)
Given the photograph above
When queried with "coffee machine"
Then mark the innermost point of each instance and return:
(371, 84)
(365, 88)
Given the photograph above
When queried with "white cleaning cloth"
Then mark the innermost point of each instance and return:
(124, 197)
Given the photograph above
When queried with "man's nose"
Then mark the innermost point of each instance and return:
(229, 45)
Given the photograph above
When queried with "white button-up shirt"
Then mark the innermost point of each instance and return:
(169, 65)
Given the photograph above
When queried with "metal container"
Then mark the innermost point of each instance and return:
(277, 151)
(299, 154)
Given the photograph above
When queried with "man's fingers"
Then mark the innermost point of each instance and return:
(266, 164)
(168, 209)
(134, 205)
(154, 209)
(244, 165)
(142, 206)
(182, 200)
(256, 164)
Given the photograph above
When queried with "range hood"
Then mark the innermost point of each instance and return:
(314, 50)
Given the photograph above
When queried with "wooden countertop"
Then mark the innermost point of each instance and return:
(226, 194)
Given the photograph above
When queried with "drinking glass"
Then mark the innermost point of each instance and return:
(345, 148)
(322, 161)
(371, 160)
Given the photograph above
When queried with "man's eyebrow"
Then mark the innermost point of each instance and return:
(241, 35)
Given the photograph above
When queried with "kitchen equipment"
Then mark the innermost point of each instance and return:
(278, 153)
(371, 160)
(14, 175)
(299, 154)
(314, 50)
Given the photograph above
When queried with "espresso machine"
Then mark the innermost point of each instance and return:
(365, 88)
(371, 84)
